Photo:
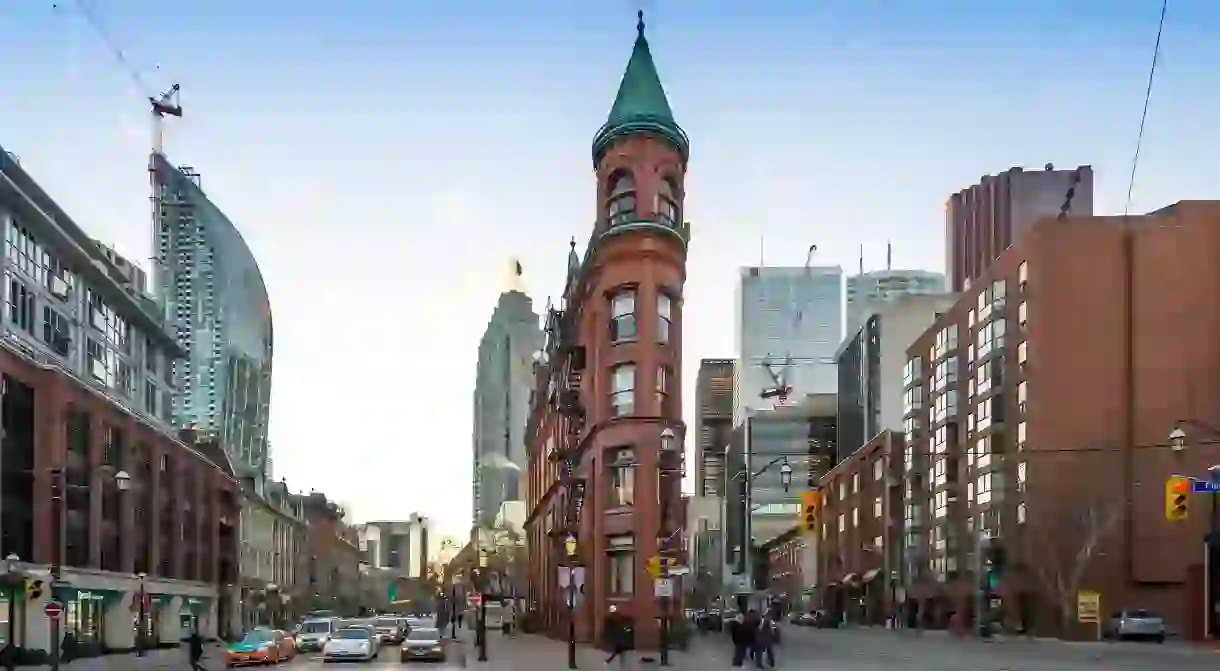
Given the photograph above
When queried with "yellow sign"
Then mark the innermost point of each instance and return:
(1088, 607)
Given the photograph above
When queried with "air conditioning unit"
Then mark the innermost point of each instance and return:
(60, 288)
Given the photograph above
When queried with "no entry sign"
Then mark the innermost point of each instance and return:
(53, 610)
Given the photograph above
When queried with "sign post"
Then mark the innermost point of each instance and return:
(53, 610)
(1088, 609)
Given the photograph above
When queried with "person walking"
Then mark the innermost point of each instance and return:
(764, 640)
(195, 645)
(742, 636)
(618, 635)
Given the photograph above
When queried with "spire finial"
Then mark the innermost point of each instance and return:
(572, 243)
(639, 23)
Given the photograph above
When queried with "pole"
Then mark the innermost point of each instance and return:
(57, 532)
(10, 659)
(747, 543)
(981, 605)
(571, 616)
(143, 620)
(1210, 545)
(482, 623)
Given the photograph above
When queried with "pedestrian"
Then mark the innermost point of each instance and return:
(617, 633)
(764, 640)
(195, 643)
(742, 637)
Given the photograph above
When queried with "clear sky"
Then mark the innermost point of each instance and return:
(384, 157)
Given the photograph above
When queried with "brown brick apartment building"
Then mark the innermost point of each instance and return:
(1039, 408)
(983, 220)
(608, 383)
(334, 557)
(859, 542)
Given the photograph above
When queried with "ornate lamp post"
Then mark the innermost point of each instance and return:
(569, 550)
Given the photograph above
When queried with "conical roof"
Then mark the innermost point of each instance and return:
(640, 107)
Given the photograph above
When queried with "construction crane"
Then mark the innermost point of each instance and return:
(163, 104)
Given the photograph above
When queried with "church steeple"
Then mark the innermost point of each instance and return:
(640, 108)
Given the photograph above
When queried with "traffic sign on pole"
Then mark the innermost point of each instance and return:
(53, 610)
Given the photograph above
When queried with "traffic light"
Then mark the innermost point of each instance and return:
(811, 502)
(659, 566)
(1177, 498)
(33, 590)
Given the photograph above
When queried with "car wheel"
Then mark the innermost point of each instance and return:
(1159, 639)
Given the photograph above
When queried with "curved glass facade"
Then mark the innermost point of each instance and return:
(217, 304)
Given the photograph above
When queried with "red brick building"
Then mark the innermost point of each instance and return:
(1039, 409)
(859, 543)
(608, 383)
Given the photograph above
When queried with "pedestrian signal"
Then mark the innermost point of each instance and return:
(1177, 498)
(33, 590)
(811, 503)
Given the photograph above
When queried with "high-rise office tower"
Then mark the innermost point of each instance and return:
(867, 293)
(217, 306)
(713, 422)
(791, 319)
(984, 220)
(501, 403)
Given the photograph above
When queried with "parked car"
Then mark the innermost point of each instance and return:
(353, 643)
(423, 643)
(1136, 623)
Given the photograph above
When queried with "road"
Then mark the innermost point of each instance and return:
(830, 650)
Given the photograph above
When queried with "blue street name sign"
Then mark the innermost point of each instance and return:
(1204, 487)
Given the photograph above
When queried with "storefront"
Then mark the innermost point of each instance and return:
(84, 617)
(152, 617)
(192, 609)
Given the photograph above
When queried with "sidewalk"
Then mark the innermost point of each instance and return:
(153, 660)
(528, 652)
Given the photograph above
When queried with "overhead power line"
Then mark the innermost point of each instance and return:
(1139, 139)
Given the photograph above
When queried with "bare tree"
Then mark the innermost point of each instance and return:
(1061, 559)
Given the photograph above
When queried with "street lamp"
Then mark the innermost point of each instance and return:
(785, 475)
(1177, 439)
(59, 483)
(10, 563)
(481, 628)
(142, 615)
(569, 549)
(785, 478)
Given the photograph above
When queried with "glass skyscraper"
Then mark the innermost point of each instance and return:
(216, 302)
(784, 313)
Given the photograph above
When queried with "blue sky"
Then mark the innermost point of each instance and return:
(384, 158)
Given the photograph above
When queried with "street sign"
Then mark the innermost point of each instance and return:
(53, 610)
(392, 592)
(663, 587)
(1088, 607)
(1204, 487)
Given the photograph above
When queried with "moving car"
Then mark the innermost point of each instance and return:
(261, 646)
(423, 643)
(354, 643)
(391, 629)
(314, 634)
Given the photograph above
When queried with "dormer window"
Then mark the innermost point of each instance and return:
(621, 208)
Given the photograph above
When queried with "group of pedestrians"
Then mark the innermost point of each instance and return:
(754, 636)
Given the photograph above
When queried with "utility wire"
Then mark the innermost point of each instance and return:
(1139, 140)
(108, 39)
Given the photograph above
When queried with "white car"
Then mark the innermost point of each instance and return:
(351, 644)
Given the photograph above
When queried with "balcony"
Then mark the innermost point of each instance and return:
(655, 222)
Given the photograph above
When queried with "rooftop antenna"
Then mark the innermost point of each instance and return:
(761, 255)
(861, 258)
(889, 255)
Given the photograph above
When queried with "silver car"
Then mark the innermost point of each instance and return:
(1137, 623)
(423, 644)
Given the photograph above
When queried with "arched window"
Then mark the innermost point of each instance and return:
(621, 208)
(667, 202)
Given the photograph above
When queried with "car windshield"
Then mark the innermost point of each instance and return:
(318, 627)
(386, 622)
(424, 635)
(258, 637)
(352, 634)
(1141, 613)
